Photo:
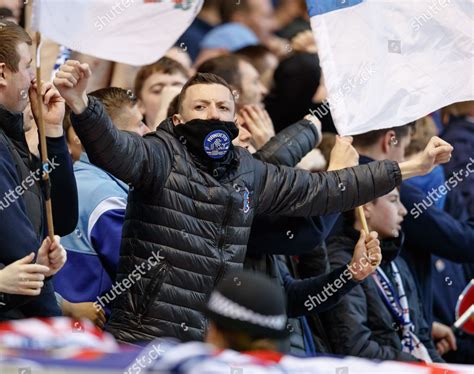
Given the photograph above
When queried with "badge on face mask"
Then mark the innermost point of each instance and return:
(217, 144)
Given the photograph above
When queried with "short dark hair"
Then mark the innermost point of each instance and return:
(240, 341)
(255, 54)
(173, 107)
(6, 13)
(226, 67)
(212, 4)
(201, 78)
(115, 99)
(11, 35)
(229, 8)
(164, 65)
(370, 138)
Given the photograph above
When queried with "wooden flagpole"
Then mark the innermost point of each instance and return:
(361, 213)
(42, 139)
(365, 227)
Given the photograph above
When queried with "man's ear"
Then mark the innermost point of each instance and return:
(3, 80)
(177, 119)
(387, 141)
(235, 95)
(367, 210)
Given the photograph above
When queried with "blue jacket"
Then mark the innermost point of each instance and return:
(192, 37)
(428, 183)
(93, 248)
(22, 215)
(460, 134)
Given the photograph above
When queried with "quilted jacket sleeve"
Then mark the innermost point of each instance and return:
(291, 192)
(290, 145)
(139, 161)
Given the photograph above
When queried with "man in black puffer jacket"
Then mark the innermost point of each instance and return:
(194, 196)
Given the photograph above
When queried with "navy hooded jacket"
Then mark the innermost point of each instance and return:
(20, 235)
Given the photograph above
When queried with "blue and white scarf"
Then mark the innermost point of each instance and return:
(398, 306)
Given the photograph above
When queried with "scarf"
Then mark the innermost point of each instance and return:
(398, 306)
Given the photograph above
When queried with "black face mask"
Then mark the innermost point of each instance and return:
(209, 140)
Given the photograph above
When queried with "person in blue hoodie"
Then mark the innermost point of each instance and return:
(22, 194)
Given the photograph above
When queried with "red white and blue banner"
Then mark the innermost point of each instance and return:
(40, 345)
(389, 62)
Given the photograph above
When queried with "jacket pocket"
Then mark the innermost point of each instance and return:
(151, 291)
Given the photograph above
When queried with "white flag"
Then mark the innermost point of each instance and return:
(135, 32)
(389, 62)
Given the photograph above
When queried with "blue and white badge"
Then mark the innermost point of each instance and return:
(217, 144)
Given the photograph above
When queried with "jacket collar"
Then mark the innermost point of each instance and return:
(84, 158)
(168, 126)
(390, 247)
(12, 124)
(365, 159)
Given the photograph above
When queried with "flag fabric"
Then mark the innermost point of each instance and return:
(389, 62)
(135, 32)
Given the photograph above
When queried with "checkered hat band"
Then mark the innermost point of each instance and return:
(223, 306)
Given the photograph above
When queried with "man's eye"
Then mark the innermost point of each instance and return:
(224, 108)
(199, 107)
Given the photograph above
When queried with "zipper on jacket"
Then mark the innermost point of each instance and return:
(221, 241)
(151, 293)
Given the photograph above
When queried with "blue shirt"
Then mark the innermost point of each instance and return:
(93, 248)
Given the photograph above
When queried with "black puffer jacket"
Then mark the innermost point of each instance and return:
(361, 325)
(197, 223)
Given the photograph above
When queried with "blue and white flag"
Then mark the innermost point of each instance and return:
(389, 62)
(135, 32)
